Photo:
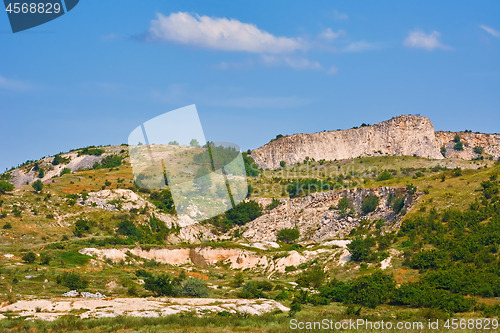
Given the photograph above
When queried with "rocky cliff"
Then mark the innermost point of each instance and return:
(317, 221)
(473, 144)
(402, 135)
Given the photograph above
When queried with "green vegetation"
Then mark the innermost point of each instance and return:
(243, 213)
(370, 203)
(37, 185)
(385, 175)
(29, 257)
(72, 280)
(91, 151)
(110, 161)
(288, 235)
(5, 186)
(282, 164)
(165, 285)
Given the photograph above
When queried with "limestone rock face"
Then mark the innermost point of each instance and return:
(317, 222)
(402, 135)
(490, 143)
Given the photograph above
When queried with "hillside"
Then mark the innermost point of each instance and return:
(301, 245)
(403, 135)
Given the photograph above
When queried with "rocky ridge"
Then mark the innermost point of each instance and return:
(403, 135)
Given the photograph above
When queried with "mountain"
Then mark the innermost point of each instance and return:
(403, 135)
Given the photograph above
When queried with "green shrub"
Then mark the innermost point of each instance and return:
(459, 146)
(282, 164)
(7, 225)
(29, 257)
(72, 280)
(385, 175)
(251, 290)
(370, 204)
(5, 187)
(37, 185)
(457, 172)
(275, 203)
(456, 138)
(65, 171)
(160, 285)
(194, 288)
(478, 150)
(56, 160)
(288, 235)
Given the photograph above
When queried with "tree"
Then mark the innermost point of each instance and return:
(5, 186)
(38, 185)
(173, 143)
(195, 288)
(288, 235)
(282, 164)
(459, 146)
(160, 285)
(57, 159)
(29, 257)
(478, 150)
(456, 139)
(72, 280)
(194, 143)
(41, 173)
(370, 203)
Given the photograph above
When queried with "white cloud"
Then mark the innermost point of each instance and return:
(260, 102)
(329, 34)
(339, 16)
(491, 31)
(110, 37)
(419, 39)
(360, 46)
(297, 63)
(219, 34)
(234, 65)
(332, 70)
(9, 84)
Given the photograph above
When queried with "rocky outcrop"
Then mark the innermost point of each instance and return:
(315, 219)
(473, 144)
(402, 135)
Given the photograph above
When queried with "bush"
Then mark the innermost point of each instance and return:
(29, 257)
(398, 203)
(459, 146)
(251, 290)
(478, 150)
(44, 259)
(7, 226)
(288, 235)
(65, 171)
(282, 164)
(457, 172)
(370, 203)
(244, 212)
(41, 173)
(5, 186)
(56, 160)
(456, 138)
(385, 175)
(275, 203)
(195, 288)
(160, 285)
(37, 185)
(72, 280)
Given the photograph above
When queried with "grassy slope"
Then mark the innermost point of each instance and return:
(40, 232)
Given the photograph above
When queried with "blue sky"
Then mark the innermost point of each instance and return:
(254, 69)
